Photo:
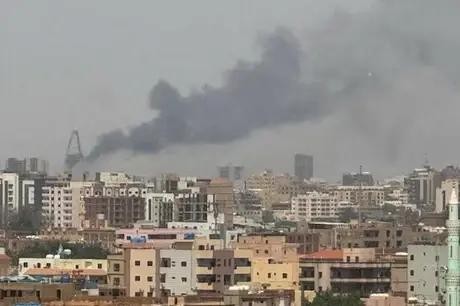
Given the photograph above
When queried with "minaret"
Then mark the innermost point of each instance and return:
(453, 240)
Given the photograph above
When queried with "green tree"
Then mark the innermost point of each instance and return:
(330, 299)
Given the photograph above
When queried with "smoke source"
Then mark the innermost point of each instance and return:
(380, 69)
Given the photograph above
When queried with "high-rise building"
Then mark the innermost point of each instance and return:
(453, 259)
(421, 186)
(356, 179)
(229, 172)
(303, 166)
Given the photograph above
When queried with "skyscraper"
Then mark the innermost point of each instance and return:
(303, 166)
(453, 261)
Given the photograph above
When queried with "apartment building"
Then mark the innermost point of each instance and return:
(55, 262)
(443, 193)
(427, 268)
(120, 211)
(159, 208)
(151, 235)
(141, 270)
(62, 203)
(318, 205)
(360, 195)
(347, 270)
(421, 185)
(177, 269)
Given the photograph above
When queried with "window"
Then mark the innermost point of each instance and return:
(149, 278)
(184, 279)
(348, 259)
(436, 258)
(320, 289)
(412, 288)
(137, 278)
(436, 273)
(99, 266)
(116, 281)
(48, 265)
(116, 267)
(183, 263)
(25, 265)
(411, 257)
(357, 259)
(39, 265)
(436, 289)
(137, 263)
(269, 275)
(149, 263)
(411, 272)
(284, 275)
(320, 274)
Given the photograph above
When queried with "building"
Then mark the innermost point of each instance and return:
(426, 272)
(25, 290)
(303, 166)
(25, 166)
(453, 249)
(231, 173)
(221, 203)
(114, 211)
(61, 203)
(362, 196)
(159, 208)
(27, 265)
(358, 270)
(317, 205)
(421, 185)
(357, 179)
(443, 192)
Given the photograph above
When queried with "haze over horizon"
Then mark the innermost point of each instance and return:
(370, 82)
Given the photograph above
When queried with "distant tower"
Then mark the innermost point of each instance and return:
(303, 166)
(453, 262)
(73, 154)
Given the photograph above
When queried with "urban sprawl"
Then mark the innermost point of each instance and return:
(242, 239)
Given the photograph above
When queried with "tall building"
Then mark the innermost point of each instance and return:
(442, 193)
(453, 260)
(421, 186)
(303, 166)
(229, 172)
(356, 179)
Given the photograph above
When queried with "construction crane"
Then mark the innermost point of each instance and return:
(73, 153)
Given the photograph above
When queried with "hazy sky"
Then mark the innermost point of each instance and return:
(90, 65)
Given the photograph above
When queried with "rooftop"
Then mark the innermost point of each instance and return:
(328, 254)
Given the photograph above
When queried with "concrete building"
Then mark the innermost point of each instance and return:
(303, 166)
(364, 196)
(230, 172)
(159, 208)
(427, 265)
(453, 249)
(14, 291)
(358, 270)
(152, 235)
(61, 203)
(357, 179)
(26, 265)
(221, 203)
(177, 269)
(114, 211)
(9, 196)
(317, 205)
(443, 192)
(421, 185)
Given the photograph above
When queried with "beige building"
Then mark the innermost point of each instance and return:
(364, 196)
(220, 197)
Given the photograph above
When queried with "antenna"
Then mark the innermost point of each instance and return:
(73, 153)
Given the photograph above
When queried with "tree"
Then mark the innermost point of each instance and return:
(330, 299)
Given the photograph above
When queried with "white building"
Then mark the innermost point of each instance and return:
(365, 195)
(443, 193)
(313, 205)
(62, 204)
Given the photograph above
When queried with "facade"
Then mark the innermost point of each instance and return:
(303, 166)
(61, 204)
(453, 249)
(159, 208)
(317, 205)
(222, 202)
(421, 185)
(443, 192)
(426, 272)
(357, 179)
(363, 196)
(357, 270)
(54, 262)
(121, 211)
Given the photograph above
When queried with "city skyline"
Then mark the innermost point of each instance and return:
(385, 130)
